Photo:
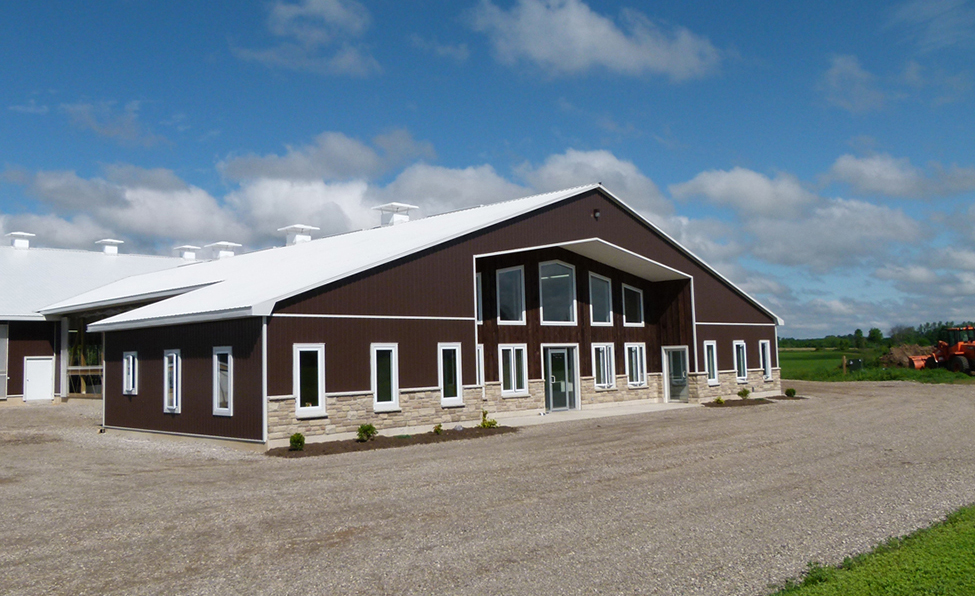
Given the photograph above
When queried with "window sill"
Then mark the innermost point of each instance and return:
(595, 324)
(452, 404)
(634, 324)
(513, 394)
(636, 385)
(742, 381)
(606, 388)
(713, 383)
(385, 408)
(558, 324)
(522, 323)
(224, 414)
(310, 415)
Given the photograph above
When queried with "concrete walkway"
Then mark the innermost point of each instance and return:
(588, 412)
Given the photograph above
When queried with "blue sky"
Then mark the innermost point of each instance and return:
(819, 154)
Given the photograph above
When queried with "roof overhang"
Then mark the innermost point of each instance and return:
(610, 254)
(69, 306)
(109, 325)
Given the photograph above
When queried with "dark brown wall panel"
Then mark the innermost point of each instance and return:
(27, 338)
(724, 337)
(196, 343)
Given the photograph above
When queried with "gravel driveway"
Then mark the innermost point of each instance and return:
(691, 501)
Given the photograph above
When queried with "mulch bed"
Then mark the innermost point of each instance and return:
(786, 398)
(384, 442)
(737, 403)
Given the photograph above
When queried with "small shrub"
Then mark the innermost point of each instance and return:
(365, 432)
(297, 442)
(438, 430)
(487, 422)
(743, 393)
(719, 400)
(790, 392)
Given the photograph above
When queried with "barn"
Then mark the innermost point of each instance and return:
(553, 302)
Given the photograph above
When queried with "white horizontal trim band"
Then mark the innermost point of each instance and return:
(390, 317)
(739, 324)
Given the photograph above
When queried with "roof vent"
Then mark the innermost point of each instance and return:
(20, 239)
(110, 246)
(394, 213)
(222, 249)
(299, 233)
(187, 252)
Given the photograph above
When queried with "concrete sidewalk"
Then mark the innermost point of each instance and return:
(535, 417)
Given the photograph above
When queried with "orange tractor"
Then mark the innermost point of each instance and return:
(957, 354)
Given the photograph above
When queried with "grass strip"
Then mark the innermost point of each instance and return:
(938, 560)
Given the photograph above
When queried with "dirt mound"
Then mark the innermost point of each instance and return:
(898, 355)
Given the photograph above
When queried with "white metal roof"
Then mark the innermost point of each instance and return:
(251, 284)
(32, 278)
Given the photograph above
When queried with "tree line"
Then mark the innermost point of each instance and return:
(925, 334)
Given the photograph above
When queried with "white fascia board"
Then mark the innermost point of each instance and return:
(58, 309)
(201, 317)
(23, 317)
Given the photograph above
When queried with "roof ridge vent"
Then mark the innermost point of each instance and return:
(298, 233)
(20, 239)
(110, 245)
(394, 213)
(222, 249)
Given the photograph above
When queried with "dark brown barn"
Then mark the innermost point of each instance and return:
(552, 302)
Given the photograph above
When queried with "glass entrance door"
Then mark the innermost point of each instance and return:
(559, 379)
(676, 362)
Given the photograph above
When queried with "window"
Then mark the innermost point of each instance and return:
(3, 361)
(603, 366)
(636, 365)
(511, 296)
(385, 377)
(632, 306)
(741, 367)
(600, 301)
(172, 381)
(451, 387)
(514, 369)
(479, 298)
(130, 373)
(711, 361)
(557, 287)
(308, 380)
(223, 381)
(765, 352)
(480, 364)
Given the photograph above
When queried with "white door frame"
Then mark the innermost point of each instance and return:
(666, 368)
(576, 372)
(48, 359)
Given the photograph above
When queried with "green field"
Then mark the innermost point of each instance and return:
(935, 560)
(826, 365)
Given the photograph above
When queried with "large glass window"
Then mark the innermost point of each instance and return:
(511, 296)
(600, 300)
(130, 373)
(479, 352)
(3, 360)
(765, 352)
(557, 284)
(451, 387)
(309, 380)
(741, 366)
(479, 299)
(711, 361)
(223, 381)
(385, 377)
(514, 369)
(632, 306)
(636, 365)
(172, 381)
(603, 366)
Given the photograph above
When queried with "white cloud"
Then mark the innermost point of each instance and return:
(79, 231)
(457, 52)
(438, 190)
(847, 85)
(912, 274)
(31, 107)
(68, 192)
(565, 37)
(105, 119)
(748, 192)
(883, 174)
(317, 36)
(936, 24)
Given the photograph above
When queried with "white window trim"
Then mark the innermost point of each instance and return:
(4, 355)
(478, 298)
(524, 350)
(229, 410)
(765, 352)
(713, 381)
(450, 402)
(643, 314)
(592, 321)
(541, 297)
(626, 352)
(385, 406)
(479, 353)
(178, 390)
(313, 411)
(130, 370)
(611, 358)
(744, 364)
(497, 294)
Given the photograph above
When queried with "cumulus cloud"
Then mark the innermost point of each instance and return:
(747, 191)
(847, 85)
(883, 174)
(317, 36)
(936, 24)
(564, 37)
(266, 205)
(105, 119)
(438, 189)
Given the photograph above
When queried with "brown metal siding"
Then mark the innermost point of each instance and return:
(347, 350)
(27, 338)
(724, 337)
(196, 343)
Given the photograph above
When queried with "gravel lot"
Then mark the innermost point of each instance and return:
(691, 501)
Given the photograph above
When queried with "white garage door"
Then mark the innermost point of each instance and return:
(38, 378)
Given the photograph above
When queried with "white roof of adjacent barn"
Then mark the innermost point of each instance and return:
(32, 278)
(252, 283)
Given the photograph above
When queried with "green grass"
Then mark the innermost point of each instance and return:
(936, 560)
(826, 365)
